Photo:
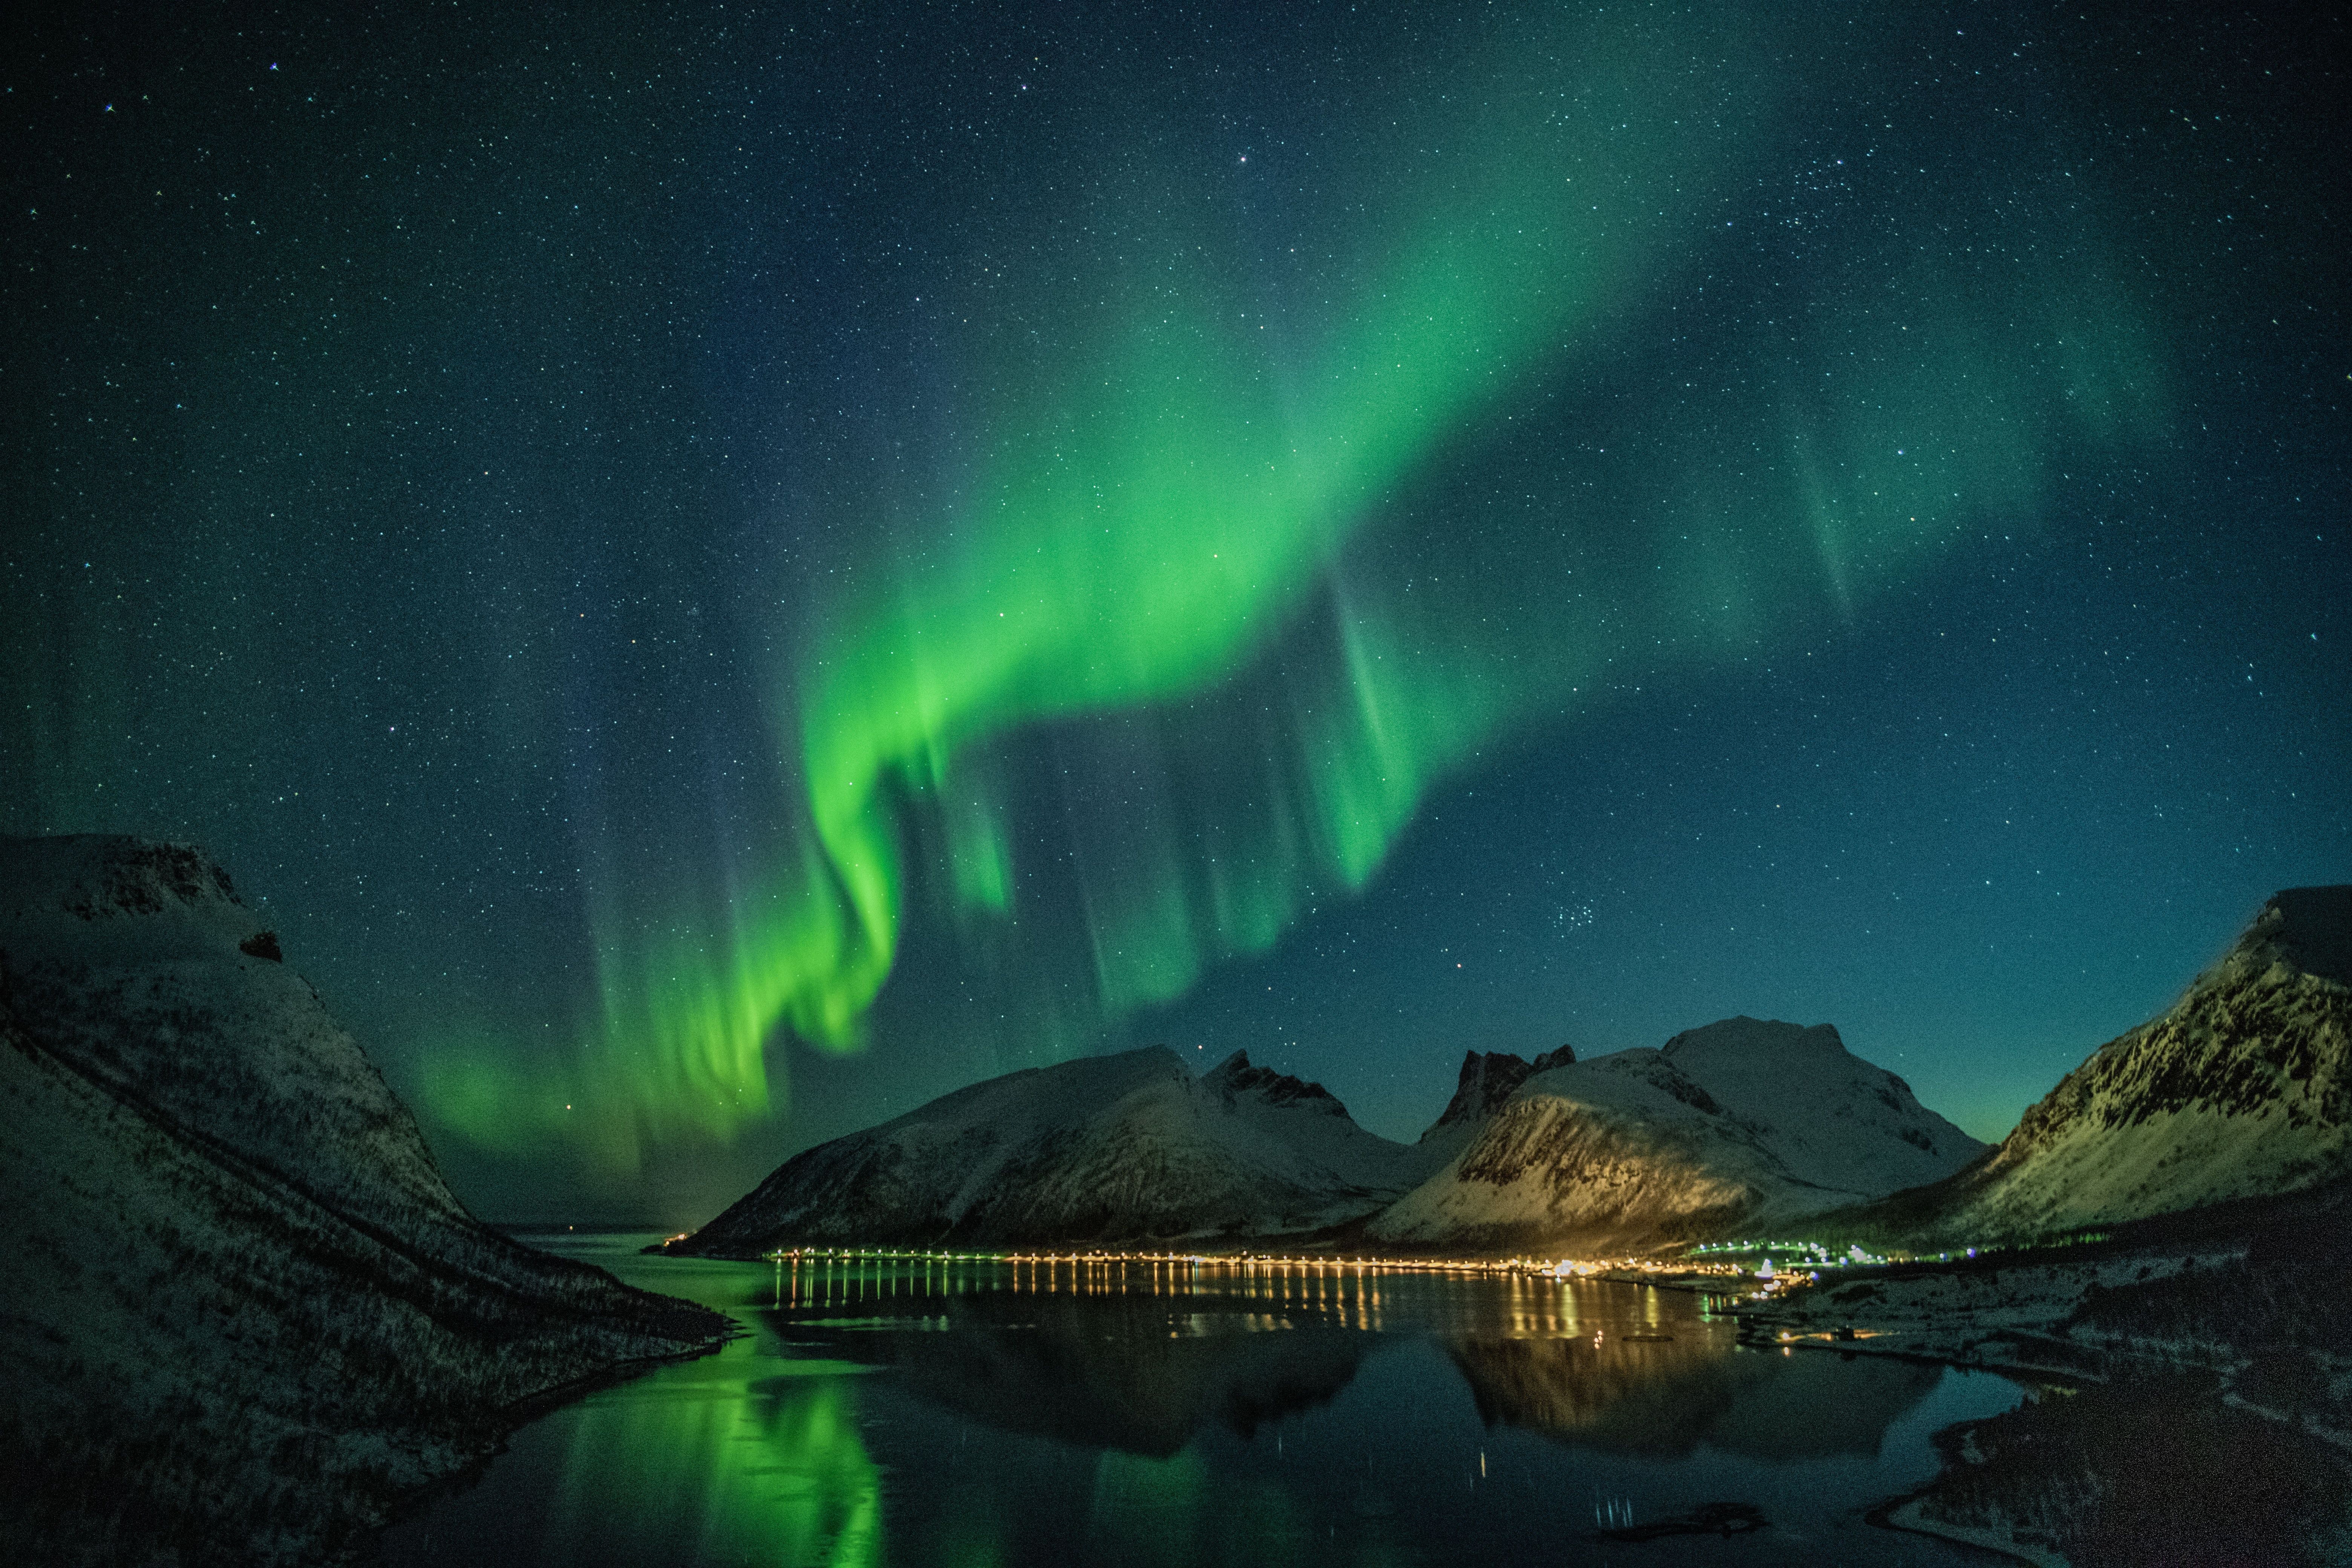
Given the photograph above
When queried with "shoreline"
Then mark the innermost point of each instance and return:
(507, 1419)
(1902, 1515)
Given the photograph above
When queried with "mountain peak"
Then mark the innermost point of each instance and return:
(124, 897)
(1753, 1039)
(104, 875)
(2309, 928)
(188, 1126)
(2241, 1088)
(1235, 1077)
(1560, 1055)
(1120, 1148)
(1486, 1081)
(1745, 1120)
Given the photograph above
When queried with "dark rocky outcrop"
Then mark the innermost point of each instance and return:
(1488, 1080)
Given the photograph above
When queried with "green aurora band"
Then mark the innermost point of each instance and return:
(1200, 533)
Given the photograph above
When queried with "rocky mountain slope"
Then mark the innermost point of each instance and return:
(243, 1312)
(2242, 1089)
(1738, 1125)
(1129, 1148)
(1488, 1082)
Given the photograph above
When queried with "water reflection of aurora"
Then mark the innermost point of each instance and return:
(905, 1411)
(775, 1472)
(1220, 575)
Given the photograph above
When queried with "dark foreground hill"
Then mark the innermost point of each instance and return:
(242, 1313)
(2202, 1411)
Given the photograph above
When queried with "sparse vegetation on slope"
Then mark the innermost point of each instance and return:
(244, 1315)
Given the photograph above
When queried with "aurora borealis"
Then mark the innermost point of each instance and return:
(726, 572)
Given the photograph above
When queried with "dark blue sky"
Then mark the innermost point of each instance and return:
(447, 459)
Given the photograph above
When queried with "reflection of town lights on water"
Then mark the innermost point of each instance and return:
(1340, 1289)
(1307, 1275)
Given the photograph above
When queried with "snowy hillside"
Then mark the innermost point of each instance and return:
(1126, 1147)
(1832, 1120)
(2242, 1089)
(1740, 1124)
(1488, 1079)
(243, 1311)
(147, 973)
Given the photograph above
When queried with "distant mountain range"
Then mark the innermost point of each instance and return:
(2241, 1090)
(1741, 1122)
(242, 1310)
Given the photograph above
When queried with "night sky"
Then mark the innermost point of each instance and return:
(721, 571)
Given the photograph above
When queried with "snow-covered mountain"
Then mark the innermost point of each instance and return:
(2242, 1089)
(242, 1310)
(1488, 1079)
(1738, 1125)
(1126, 1147)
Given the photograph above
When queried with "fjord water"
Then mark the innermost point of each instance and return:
(985, 1412)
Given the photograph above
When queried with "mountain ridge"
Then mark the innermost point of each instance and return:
(2240, 1089)
(1487, 1081)
(245, 1313)
(1127, 1147)
(1741, 1121)
(1131, 1148)
(2243, 1087)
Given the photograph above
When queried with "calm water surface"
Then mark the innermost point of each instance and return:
(988, 1412)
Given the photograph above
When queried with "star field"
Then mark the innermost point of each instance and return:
(724, 574)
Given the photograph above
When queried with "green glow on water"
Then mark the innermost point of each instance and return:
(1003, 1414)
(771, 1471)
(1177, 511)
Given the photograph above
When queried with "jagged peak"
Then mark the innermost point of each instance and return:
(2211, 1050)
(106, 875)
(110, 894)
(1235, 1077)
(2309, 928)
(2257, 1044)
(1560, 1055)
(1481, 1066)
(1487, 1079)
